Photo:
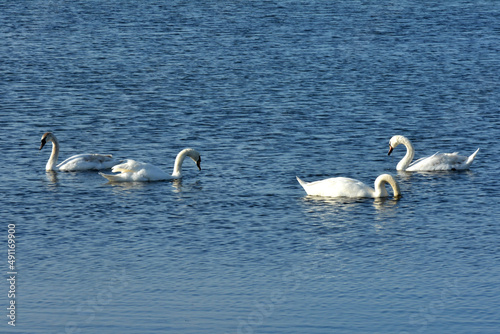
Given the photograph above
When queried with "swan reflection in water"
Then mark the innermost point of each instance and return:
(51, 176)
(120, 187)
(343, 205)
(124, 186)
(336, 214)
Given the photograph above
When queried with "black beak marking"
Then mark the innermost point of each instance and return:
(42, 144)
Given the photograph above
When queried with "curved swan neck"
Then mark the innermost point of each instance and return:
(410, 153)
(51, 164)
(180, 159)
(380, 182)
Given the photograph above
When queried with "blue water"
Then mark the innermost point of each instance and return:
(265, 91)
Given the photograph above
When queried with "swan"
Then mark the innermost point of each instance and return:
(132, 171)
(347, 187)
(435, 162)
(77, 162)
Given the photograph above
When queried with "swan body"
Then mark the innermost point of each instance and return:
(77, 162)
(347, 187)
(135, 171)
(435, 162)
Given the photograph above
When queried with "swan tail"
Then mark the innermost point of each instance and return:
(302, 183)
(471, 158)
(111, 177)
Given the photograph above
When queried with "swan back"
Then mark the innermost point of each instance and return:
(81, 162)
(131, 171)
(337, 187)
(443, 162)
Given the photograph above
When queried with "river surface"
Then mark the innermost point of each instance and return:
(265, 91)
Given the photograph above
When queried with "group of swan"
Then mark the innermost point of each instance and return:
(131, 170)
(346, 187)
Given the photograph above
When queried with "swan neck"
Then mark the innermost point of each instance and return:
(395, 187)
(380, 182)
(51, 163)
(410, 153)
(178, 163)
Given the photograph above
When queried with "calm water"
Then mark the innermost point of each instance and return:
(265, 91)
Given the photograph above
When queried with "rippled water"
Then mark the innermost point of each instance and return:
(265, 91)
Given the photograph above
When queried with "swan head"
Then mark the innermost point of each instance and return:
(195, 155)
(47, 136)
(395, 141)
(187, 152)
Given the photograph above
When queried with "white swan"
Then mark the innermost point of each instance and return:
(77, 162)
(435, 162)
(347, 187)
(132, 171)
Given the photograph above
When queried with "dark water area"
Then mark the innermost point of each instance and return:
(265, 91)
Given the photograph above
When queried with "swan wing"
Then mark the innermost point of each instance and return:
(88, 162)
(440, 162)
(129, 166)
(416, 162)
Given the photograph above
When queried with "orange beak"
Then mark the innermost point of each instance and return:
(390, 150)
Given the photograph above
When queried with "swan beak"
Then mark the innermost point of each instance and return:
(198, 163)
(390, 150)
(42, 144)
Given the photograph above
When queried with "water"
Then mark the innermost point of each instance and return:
(265, 91)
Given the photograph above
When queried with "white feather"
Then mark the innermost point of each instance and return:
(347, 187)
(134, 171)
(78, 162)
(435, 162)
